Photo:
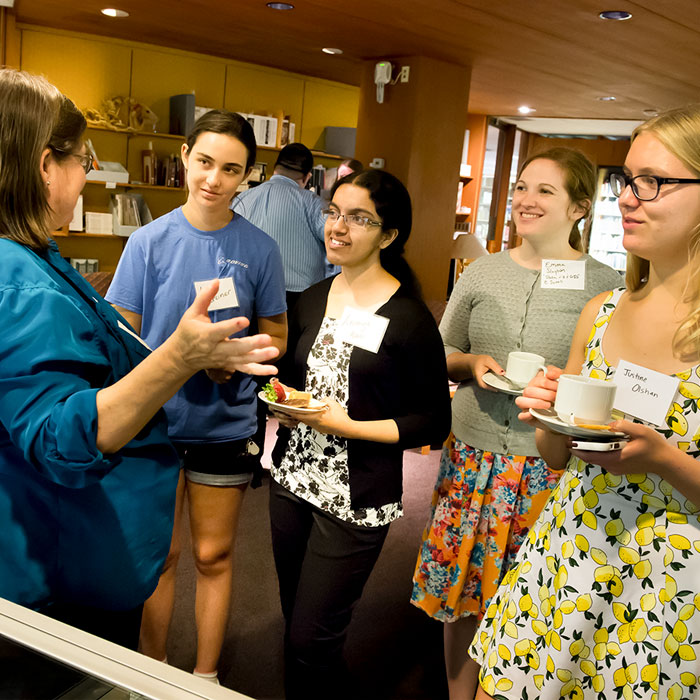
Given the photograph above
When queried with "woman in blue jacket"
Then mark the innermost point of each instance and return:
(87, 473)
(365, 343)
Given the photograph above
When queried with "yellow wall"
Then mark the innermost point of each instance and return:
(90, 69)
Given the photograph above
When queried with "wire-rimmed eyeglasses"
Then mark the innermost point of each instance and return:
(645, 187)
(351, 220)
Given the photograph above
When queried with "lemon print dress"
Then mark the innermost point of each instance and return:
(604, 600)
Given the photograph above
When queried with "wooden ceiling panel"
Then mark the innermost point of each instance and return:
(559, 57)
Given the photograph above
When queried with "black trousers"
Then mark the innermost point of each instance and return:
(322, 565)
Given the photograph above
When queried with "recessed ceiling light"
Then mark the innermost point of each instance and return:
(280, 5)
(615, 14)
(524, 109)
(333, 52)
(111, 12)
(650, 112)
(607, 98)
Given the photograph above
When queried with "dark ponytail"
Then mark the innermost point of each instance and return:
(393, 205)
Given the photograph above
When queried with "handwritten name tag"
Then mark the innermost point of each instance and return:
(226, 298)
(133, 335)
(644, 393)
(563, 274)
(362, 328)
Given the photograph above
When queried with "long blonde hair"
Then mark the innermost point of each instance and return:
(34, 115)
(679, 131)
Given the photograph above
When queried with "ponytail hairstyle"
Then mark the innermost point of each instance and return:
(580, 183)
(678, 130)
(393, 205)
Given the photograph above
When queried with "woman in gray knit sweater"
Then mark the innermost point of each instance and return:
(492, 482)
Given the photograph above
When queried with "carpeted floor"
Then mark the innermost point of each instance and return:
(393, 649)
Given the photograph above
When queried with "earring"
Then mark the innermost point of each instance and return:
(48, 182)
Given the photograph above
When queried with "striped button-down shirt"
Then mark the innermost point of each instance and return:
(292, 217)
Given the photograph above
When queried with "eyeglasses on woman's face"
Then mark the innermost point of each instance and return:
(645, 187)
(352, 221)
(86, 161)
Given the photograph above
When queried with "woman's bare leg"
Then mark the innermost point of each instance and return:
(462, 671)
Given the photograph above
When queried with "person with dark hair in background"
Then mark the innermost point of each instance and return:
(492, 482)
(213, 417)
(87, 472)
(338, 484)
(349, 166)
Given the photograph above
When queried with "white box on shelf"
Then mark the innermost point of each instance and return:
(98, 222)
(120, 229)
(109, 172)
(76, 223)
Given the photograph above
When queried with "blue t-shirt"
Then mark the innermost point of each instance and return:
(155, 278)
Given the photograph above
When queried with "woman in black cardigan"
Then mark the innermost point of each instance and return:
(366, 344)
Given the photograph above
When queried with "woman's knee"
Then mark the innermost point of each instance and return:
(212, 558)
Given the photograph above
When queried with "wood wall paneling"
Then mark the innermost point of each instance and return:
(157, 75)
(88, 71)
(601, 151)
(327, 104)
(421, 141)
(262, 91)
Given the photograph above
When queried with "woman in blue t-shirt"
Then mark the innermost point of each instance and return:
(213, 417)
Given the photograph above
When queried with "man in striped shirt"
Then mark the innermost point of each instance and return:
(291, 215)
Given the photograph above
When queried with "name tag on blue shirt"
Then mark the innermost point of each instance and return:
(226, 297)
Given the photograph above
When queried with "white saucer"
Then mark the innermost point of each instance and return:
(314, 407)
(554, 423)
(499, 383)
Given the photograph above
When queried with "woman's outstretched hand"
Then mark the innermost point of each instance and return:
(197, 343)
(539, 393)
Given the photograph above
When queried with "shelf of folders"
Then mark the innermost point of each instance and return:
(129, 212)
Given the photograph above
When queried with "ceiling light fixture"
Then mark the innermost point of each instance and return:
(618, 15)
(111, 12)
(650, 112)
(607, 98)
(333, 52)
(280, 5)
(524, 109)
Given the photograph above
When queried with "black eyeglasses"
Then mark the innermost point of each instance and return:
(645, 187)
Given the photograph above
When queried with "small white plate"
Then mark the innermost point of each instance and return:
(314, 407)
(553, 422)
(499, 383)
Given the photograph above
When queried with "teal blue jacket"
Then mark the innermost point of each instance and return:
(76, 525)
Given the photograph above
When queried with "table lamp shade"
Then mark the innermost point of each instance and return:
(467, 246)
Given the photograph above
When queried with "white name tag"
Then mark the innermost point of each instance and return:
(644, 393)
(563, 274)
(226, 298)
(361, 328)
(133, 335)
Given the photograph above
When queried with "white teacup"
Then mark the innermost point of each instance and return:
(585, 399)
(523, 366)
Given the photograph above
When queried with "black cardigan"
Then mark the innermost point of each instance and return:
(405, 380)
